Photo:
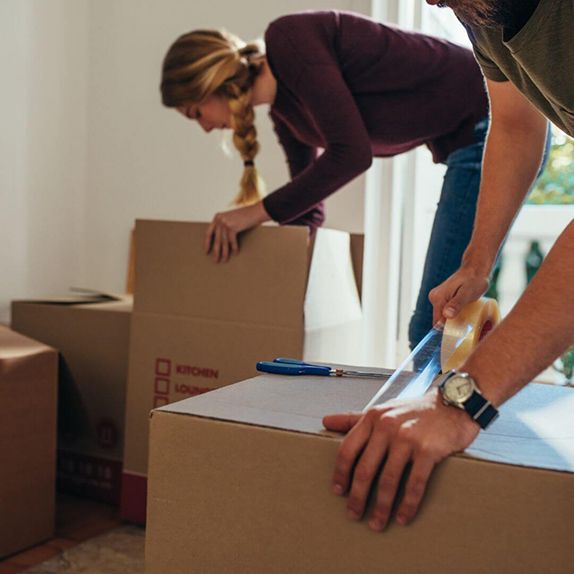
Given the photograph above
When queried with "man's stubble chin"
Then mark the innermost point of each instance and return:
(479, 12)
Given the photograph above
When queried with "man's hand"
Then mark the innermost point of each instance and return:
(221, 236)
(506, 178)
(462, 287)
(417, 433)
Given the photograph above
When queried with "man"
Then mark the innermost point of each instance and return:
(525, 50)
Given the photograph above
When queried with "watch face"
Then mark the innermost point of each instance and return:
(458, 389)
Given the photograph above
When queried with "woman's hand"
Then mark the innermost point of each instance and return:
(221, 236)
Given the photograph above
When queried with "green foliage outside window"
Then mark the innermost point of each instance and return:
(556, 185)
(565, 365)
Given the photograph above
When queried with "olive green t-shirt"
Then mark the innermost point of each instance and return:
(538, 59)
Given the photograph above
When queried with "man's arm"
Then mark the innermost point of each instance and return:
(512, 158)
(538, 329)
(422, 432)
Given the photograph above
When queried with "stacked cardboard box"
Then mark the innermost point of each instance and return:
(240, 482)
(92, 335)
(198, 325)
(28, 402)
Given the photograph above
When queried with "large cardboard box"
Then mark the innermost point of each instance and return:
(92, 335)
(198, 325)
(28, 403)
(240, 482)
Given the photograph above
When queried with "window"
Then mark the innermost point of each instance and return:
(549, 209)
(556, 185)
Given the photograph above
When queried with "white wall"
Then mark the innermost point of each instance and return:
(42, 146)
(145, 161)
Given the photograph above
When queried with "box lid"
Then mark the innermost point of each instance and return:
(175, 277)
(535, 429)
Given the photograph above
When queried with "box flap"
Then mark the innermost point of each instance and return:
(79, 296)
(535, 427)
(174, 276)
(331, 285)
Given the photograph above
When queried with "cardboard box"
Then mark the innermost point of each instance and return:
(198, 325)
(28, 402)
(92, 335)
(240, 482)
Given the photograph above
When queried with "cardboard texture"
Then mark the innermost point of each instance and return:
(240, 482)
(28, 402)
(198, 325)
(92, 335)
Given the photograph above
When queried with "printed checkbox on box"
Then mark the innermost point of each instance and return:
(163, 367)
(161, 386)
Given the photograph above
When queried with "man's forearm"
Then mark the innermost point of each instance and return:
(512, 158)
(537, 330)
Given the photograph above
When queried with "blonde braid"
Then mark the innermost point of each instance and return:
(245, 140)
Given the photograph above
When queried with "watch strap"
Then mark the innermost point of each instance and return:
(480, 410)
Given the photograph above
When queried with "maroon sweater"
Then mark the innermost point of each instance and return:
(356, 88)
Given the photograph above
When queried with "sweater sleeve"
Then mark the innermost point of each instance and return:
(299, 156)
(319, 85)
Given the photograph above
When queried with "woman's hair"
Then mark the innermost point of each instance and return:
(210, 62)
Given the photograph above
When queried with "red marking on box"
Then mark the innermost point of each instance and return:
(161, 386)
(92, 477)
(108, 433)
(163, 367)
(134, 498)
(160, 401)
(195, 371)
(191, 390)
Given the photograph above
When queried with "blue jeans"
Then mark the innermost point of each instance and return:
(448, 242)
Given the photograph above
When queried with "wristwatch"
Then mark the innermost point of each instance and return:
(460, 390)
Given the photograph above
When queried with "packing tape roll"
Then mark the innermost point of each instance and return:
(463, 333)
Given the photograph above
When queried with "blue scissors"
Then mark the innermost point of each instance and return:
(283, 366)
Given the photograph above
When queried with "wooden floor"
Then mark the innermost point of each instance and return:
(77, 520)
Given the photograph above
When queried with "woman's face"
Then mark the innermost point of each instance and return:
(212, 114)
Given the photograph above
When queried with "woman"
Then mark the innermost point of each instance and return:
(341, 90)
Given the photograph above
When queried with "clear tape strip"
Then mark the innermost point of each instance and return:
(443, 348)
